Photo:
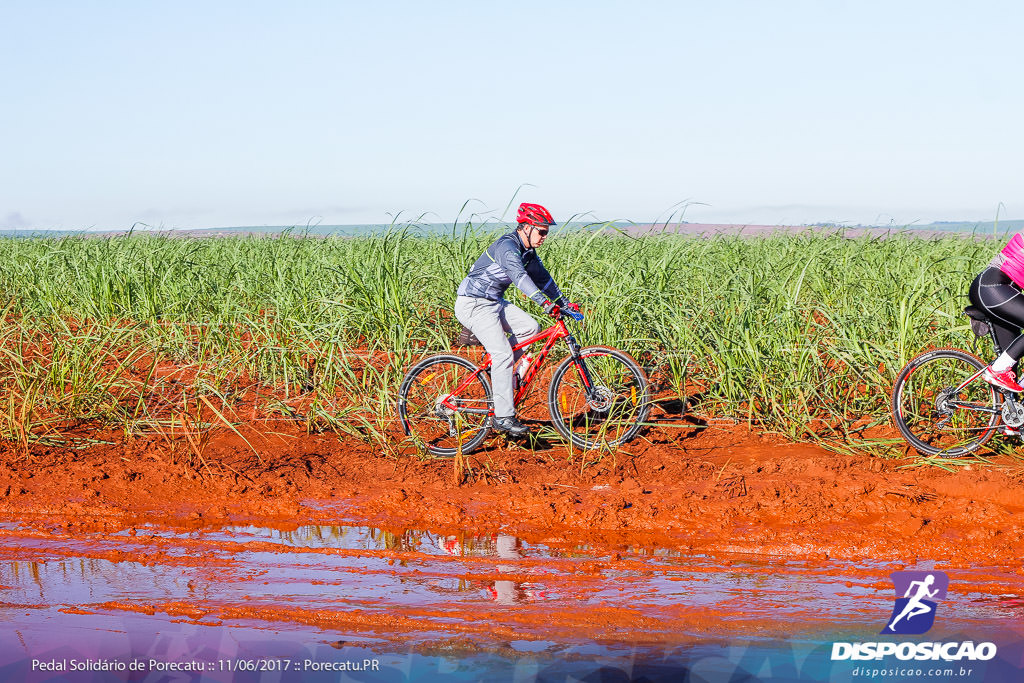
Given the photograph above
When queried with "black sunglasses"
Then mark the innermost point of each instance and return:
(542, 231)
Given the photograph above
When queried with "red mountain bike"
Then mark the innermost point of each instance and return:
(598, 396)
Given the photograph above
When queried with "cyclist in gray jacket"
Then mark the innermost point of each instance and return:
(481, 307)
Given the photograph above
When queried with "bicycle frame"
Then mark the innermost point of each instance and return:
(552, 336)
(954, 391)
(963, 385)
(997, 350)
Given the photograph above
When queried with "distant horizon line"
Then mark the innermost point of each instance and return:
(948, 224)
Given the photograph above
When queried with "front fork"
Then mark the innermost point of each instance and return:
(574, 352)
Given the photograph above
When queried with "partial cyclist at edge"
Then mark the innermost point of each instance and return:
(481, 307)
(997, 292)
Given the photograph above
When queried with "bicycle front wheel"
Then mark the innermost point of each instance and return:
(439, 428)
(612, 411)
(936, 412)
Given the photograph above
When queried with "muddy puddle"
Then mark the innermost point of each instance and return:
(416, 585)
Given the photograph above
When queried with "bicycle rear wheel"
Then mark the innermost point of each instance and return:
(434, 426)
(613, 412)
(936, 413)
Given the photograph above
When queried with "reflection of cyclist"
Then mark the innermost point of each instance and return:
(511, 592)
(450, 545)
(481, 307)
(506, 592)
(1000, 297)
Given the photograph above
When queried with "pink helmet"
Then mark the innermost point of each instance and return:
(534, 214)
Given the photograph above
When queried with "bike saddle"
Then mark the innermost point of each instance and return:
(974, 313)
(467, 338)
(979, 320)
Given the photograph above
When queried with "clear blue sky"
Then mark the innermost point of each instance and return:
(202, 114)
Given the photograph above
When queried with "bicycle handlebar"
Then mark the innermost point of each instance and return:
(558, 312)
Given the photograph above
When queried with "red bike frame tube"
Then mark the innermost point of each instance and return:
(552, 334)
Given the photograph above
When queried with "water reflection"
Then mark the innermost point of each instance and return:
(467, 543)
(464, 544)
(409, 567)
(380, 571)
(82, 580)
(505, 547)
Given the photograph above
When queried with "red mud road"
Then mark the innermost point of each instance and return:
(711, 533)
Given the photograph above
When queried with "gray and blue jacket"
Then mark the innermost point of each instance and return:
(509, 262)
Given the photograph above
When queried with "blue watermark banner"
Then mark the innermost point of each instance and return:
(221, 654)
(922, 636)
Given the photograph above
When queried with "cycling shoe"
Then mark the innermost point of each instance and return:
(510, 426)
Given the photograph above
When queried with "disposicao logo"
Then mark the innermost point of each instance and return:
(913, 614)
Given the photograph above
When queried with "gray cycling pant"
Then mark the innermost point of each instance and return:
(499, 326)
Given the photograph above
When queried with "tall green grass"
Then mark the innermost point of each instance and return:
(800, 334)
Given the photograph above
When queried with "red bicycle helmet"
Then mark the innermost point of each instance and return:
(534, 214)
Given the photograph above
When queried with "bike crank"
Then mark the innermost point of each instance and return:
(1013, 412)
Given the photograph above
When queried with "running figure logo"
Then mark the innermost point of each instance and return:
(914, 612)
